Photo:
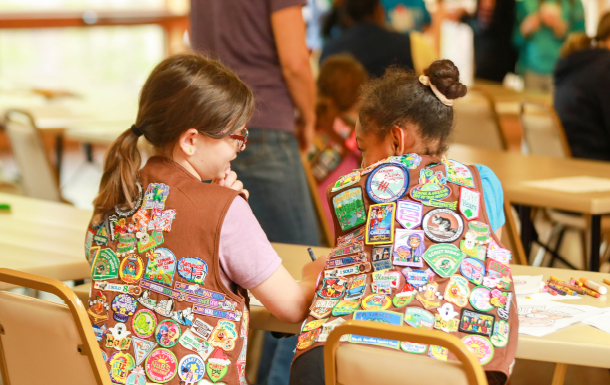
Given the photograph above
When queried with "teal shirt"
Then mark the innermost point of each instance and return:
(539, 51)
(494, 197)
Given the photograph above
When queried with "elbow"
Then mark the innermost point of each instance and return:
(295, 69)
(292, 317)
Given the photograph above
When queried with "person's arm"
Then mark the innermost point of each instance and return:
(289, 32)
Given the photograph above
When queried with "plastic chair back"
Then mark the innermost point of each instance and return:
(542, 131)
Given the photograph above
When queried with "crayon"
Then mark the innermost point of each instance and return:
(593, 286)
(310, 251)
(577, 289)
(558, 290)
(566, 289)
(607, 281)
(576, 282)
(592, 293)
(553, 278)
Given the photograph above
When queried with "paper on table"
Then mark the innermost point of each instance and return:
(547, 297)
(572, 184)
(539, 318)
(527, 284)
(601, 321)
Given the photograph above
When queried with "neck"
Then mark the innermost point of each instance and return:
(179, 157)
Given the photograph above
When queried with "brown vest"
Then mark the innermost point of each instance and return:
(158, 305)
(424, 308)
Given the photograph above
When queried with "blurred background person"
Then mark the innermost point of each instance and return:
(540, 30)
(407, 15)
(582, 92)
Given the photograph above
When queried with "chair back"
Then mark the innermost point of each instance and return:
(344, 363)
(38, 177)
(43, 342)
(542, 131)
(422, 52)
(317, 202)
(477, 122)
(510, 236)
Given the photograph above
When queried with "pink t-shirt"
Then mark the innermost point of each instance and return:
(247, 258)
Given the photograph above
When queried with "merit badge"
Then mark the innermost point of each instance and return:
(352, 248)
(481, 347)
(193, 269)
(167, 333)
(123, 307)
(322, 308)
(458, 173)
(195, 343)
(191, 368)
(126, 244)
(329, 327)
(88, 244)
(348, 270)
(501, 255)
(429, 296)
(144, 323)
(442, 225)
(382, 252)
(118, 338)
(376, 302)
(354, 236)
(438, 352)
(314, 324)
(217, 365)
(413, 348)
(355, 287)
(141, 220)
(161, 220)
(147, 242)
(104, 356)
(476, 322)
(417, 278)
(432, 188)
(373, 166)
(308, 338)
(391, 277)
(409, 248)
(100, 332)
(345, 307)
(381, 288)
(136, 377)
(480, 298)
(499, 337)
(224, 335)
(161, 266)
(384, 264)
(457, 291)
(497, 269)
(101, 235)
(470, 203)
(332, 288)
(146, 301)
(504, 312)
(409, 213)
(94, 251)
(419, 318)
(472, 248)
(121, 363)
(386, 317)
(142, 348)
(161, 365)
(338, 262)
(349, 208)
(105, 265)
(445, 319)
(444, 259)
(380, 224)
(500, 298)
(131, 269)
(155, 196)
(405, 296)
(346, 180)
(98, 308)
(201, 328)
(410, 161)
(473, 270)
(481, 231)
(387, 183)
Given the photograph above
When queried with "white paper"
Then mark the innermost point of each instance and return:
(539, 318)
(547, 297)
(527, 284)
(601, 321)
(572, 184)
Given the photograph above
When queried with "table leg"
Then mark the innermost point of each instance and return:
(527, 229)
(560, 374)
(88, 152)
(59, 150)
(595, 230)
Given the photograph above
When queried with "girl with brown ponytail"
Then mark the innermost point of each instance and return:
(171, 257)
(403, 128)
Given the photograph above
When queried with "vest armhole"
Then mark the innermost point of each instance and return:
(484, 216)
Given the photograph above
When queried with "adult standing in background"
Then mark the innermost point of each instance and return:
(407, 15)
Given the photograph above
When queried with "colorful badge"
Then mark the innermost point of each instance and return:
(387, 183)
(105, 265)
(480, 298)
(100, 332)
(131, 269)
(481, 231)
(329, 327)
(470, 203)
(308, 338)
(476, 322)
(167, 333)
(127, 243)
(432, 188)
(338, 262)
(193, 269)
(147, 242)
(136, 377)
(380, 224)
(345, 307)
(497, 270)
(445, 319)
(98, 308)
(195, 343)
(348, 270)
(442, 225)
(438, 352)
(382, 265)
(322, 308)
(224, 335)
(376, 302)
(346, 180)
(381, 288)
(481, 347)
(101, 235)
(429, 295)
(458, 173)
(120, 365)
(473, 270)
(373, 166)
(391, 277)
(409, 248)
(349, 208)
(504, 312)
(354, 236)
(142, 349)
(92, 253)
(444, 259)
(144, 323)
(499, 337)
(332, 288)
(409, 213)
(405, 296)
(419, 318)
(311, 325)
(161, 220)
(417, 278)
(386, 317)
(123, 307)
(202, 328)
(191, 368)
(118, 337)
(161, 365)
(381, 253)
(410, 161)
(457, 291)
(217, 365)
(355, 287)
(155, 196)
(501, 255)
(413, 348)
(104, 356)
(161, 266)
(352, 248)
(501, 298)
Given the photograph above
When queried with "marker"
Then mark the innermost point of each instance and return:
(593, 286)
(607, 281)
(310, 251)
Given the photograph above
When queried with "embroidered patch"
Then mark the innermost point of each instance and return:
(131, 269)
(161, 220)
(376, 302)
(444, 259)
(409, 214)
(348, 270)
(432, 188)
(473, 270)
(121, 363)
(155, 196)
(105, 265)
(346, 180)
(118, 338)
(476, 322)
(470, 203)
(345, 307)
(161, 365)
(413, 348)
(338, 262)
(349, 208)
(161, 266)
(354, 236)
(355, 287)
(405, 296)
(217, 365)
(322, 308)
(457, 291)
(438, 352)
(386, 317)
(442, 225)
(193, 269)
(167, 333)
(410, 161)
(481, 347)
(314, 324)
(224, 335)
(382, 252)
(352, 248)
(332, 288)
(499, 337)
(144, 323)
(445, 319)
(419, 318)
(387, 183)
(123, 307)
(191, 368)
(458, 173)
(142, 349)
(417, 278)
(480, 298)
(380, 224)
(409, 248)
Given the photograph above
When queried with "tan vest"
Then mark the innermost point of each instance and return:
(434, 266)
(158, 306)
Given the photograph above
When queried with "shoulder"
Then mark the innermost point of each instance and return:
(488, 177)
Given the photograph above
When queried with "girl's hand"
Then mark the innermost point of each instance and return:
(230, 180)
(312, 269)
(530, 24)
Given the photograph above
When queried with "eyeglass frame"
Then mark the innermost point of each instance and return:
(243, 139)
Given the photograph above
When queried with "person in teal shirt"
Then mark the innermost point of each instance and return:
(407, 15)
(542, 27)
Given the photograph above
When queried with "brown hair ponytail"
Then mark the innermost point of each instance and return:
(579, 41)
(183, 91)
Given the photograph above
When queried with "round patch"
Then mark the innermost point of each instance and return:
(167, 333)
(131, 269)
(123, 307)
(376, 302)
(121, 363)
(443, 225)
(193, 269)
(191, 368)
(480, 298)
(144, 323)
(387, 183)
(419, 318)
(480, 347)
(473, 270)
(308, 338)
(403, 298)
(161, 365)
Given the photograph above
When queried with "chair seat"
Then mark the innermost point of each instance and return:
(82, 291)
(576, 221)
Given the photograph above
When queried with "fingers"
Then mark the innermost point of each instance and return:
(230, 178)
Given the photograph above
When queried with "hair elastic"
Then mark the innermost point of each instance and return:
(136, 131)
(423, 79)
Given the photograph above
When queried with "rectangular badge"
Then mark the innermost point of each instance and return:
(409, 248)
(230, 315)
(475, 322)
(380, 224)
(351, 248)
(383, 316)
(381, 252)
(349, 208)
(409, 214)
(470, 203)
(199, 291)
(348, 270)
(354, 236)
(331, 263)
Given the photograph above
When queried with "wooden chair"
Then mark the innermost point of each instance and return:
(313, 189)
(510, 236)
(44, 342)
(349, 364)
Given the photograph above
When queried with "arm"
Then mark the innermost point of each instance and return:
(289, 31)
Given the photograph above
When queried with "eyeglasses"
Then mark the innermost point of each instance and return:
(242, 139)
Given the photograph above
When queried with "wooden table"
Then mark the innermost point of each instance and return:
(514, 168)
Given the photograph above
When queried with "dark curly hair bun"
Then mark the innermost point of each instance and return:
(446, 77)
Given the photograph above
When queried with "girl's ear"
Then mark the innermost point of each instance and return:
(402, 140)
(187, 143)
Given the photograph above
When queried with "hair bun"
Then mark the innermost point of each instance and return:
(446, 77)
